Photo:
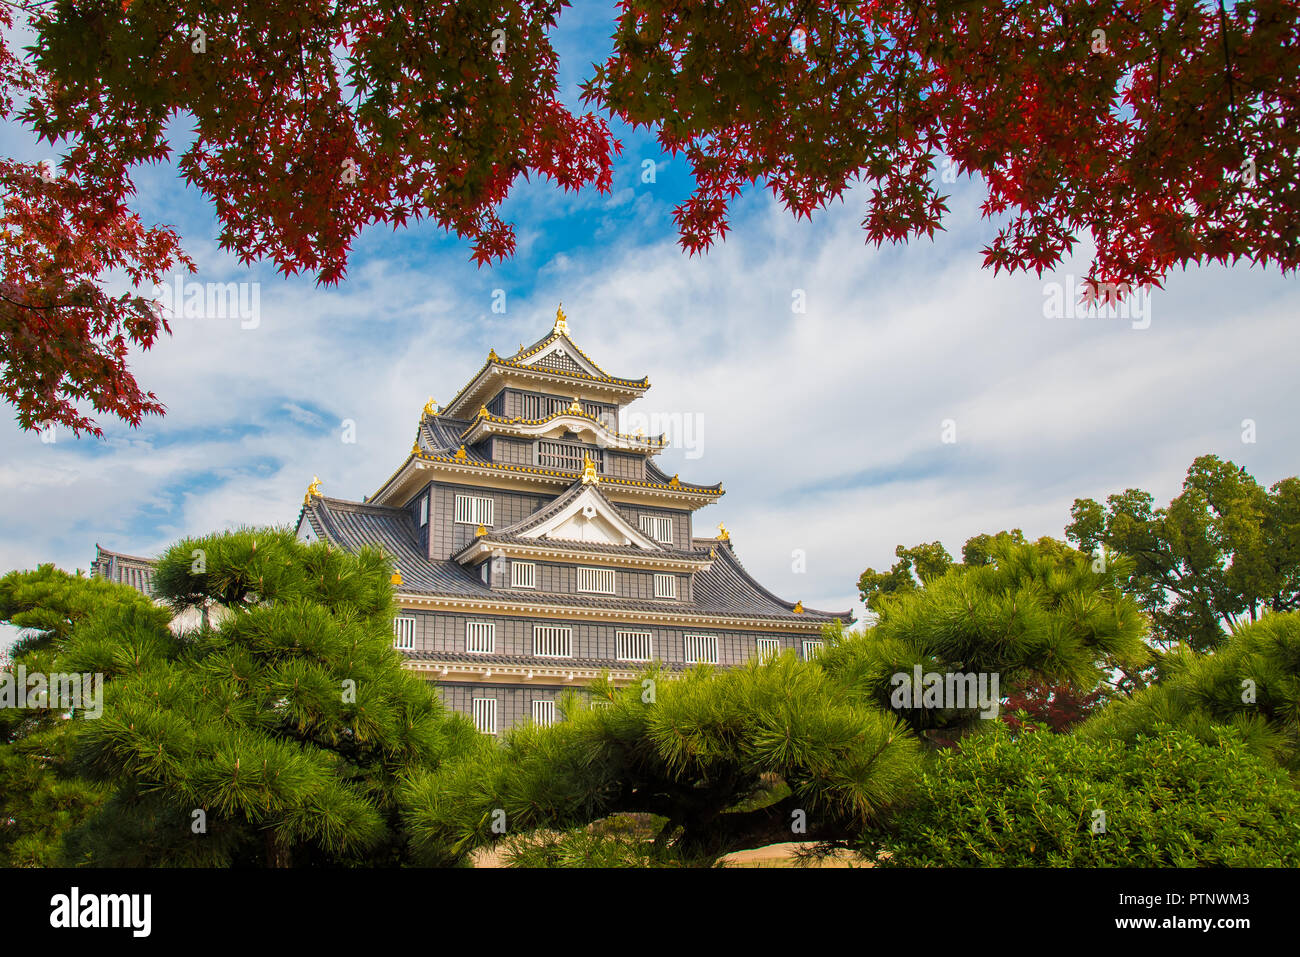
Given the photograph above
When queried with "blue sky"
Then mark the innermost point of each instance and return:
(826, 427)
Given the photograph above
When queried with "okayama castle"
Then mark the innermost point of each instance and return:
(535, 546)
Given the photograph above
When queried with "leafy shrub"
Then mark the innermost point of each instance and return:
(1170, 800)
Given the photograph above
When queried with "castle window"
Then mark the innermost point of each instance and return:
(812, 648)
(701, 649)
(523, 574)
(473, 510)
(485, 715)
(570, 458)
(480, 637)
(544, 713)
(404, 632)
(633, 645)
(660, 529)
(424, 511)
(597, 581)
(550, 641)
(768, 648)
(541, 406)
(665, 586)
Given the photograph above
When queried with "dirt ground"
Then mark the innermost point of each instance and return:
(773, 855)
(785, 855)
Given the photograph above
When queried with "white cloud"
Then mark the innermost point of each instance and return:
(824, 426)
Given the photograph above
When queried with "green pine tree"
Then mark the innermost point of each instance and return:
(278, 733)
(41, 795)
(769, 752)
(1023, 612)
(1251, 684)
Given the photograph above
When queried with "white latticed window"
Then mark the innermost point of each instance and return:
(485, 715)
(768, 648)
(812, 648)
(633, 645)
(544, 713)
(404, 632)
(551, 641)
(523, 574)
(701, 649)
(599, 581)
(480, 637)
(542, 406)
(473, 510)
(572, 458)
(660, 529)
(665, 586)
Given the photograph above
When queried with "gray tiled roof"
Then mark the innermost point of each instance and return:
(352, 525)
(441, 435)
(654, 473)
(725, 590)
(728, 585)
(515, 533)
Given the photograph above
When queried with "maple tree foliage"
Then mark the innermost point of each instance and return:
(1057, 706)
(63, 338)
(310, 121)
(1168, 129)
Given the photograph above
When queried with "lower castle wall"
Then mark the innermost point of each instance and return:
(445, 632)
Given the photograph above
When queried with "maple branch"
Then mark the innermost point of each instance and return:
(798, 16)
(1227, 65)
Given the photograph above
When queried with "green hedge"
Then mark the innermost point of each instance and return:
(1169, 800)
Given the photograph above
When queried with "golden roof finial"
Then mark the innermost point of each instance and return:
(723, 534)
(589, 476)
(313, 490)
(676, 482)
(798, 608)
(460, 454)
(415, 447)
(482, 410)
(431, 407)
(480, 531)
(561, 321)
(396, 578)
(575, 407)
(492, 355)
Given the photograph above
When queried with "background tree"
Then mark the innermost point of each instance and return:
(763, 753)
(1222, 552)
(279, 733)
(915, 566)
(920, 563)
